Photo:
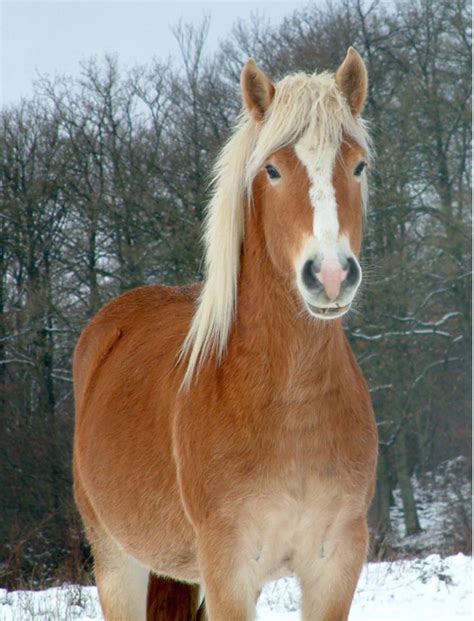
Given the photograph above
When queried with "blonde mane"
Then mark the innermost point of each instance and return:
(302, 103)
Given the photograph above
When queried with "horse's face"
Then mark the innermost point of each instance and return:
(311, 198)
(312, 217)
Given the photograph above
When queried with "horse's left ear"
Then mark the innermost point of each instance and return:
(351, 78)
(257, 89)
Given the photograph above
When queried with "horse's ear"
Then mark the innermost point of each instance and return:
(257, 89)
(351, 78)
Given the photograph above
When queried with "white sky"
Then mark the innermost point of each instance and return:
(53, 37)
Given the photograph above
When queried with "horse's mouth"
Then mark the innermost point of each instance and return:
(330, 312)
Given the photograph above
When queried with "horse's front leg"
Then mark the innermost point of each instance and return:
(329, 579)
(228, 577)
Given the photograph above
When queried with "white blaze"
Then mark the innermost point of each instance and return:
(320, 164)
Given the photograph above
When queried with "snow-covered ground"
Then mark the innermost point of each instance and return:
(433, 589)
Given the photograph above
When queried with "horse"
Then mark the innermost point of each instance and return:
(224, 432)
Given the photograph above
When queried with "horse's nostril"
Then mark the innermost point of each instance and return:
(353, 272)
(310, 269)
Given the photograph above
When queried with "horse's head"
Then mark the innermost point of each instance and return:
(301, 148)
(308, 165)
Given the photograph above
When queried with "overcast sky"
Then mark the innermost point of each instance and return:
(53, 37)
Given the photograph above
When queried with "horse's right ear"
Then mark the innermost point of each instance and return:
(257, 89)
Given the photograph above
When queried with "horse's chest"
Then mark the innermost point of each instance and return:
(291, 522)
(311, 489)
(314, 436)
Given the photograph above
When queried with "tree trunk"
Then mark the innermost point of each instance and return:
(379, 515)
(410, 514)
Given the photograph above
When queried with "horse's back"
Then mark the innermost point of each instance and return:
(126, 382)
(158, 313)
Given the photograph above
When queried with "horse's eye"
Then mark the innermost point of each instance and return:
(359, 168)
(272, 172)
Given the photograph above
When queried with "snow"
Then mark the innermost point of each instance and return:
(434, 588)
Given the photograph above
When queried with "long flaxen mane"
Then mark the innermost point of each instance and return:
(302, 103)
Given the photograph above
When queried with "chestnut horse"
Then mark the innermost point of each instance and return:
(225, 435)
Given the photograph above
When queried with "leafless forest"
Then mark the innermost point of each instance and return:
(103, 182)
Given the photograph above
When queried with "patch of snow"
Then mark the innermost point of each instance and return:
(66, 603)
(431, 588)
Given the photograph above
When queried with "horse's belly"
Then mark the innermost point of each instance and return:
(166, 547)
(129, 480)
(147, 522)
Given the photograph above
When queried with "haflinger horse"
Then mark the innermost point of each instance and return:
(225, 435)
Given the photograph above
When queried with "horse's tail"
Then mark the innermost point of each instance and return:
(169, 600)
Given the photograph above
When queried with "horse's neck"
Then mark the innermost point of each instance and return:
(273, 328)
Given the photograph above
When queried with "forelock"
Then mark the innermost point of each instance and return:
(310, 105)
